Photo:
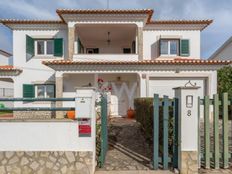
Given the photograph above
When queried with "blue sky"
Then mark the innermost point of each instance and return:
(211, 38)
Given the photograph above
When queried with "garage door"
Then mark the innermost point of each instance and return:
(164, 86)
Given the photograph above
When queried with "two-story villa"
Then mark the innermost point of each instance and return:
(134, 56)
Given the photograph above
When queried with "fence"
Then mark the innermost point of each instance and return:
(36, 108)
(215, 141)
(104, 131)
(6, 92)
(169, 155)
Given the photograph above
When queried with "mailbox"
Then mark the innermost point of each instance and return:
(85, 110)
(85, 102)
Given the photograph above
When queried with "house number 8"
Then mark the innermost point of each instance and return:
(189, 113)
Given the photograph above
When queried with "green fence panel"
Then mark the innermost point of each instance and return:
(165, 131)
(104, 132)
(156, 132)
(216, 130)
(207, 132)
(199, 132)
(225, 130)
(176, 134)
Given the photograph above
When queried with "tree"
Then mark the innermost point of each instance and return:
(225, 80)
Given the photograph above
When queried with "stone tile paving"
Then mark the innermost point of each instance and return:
(213, 171)
(128, 149)
(134, 172)
(220, 138)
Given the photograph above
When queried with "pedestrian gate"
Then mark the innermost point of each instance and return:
(104, 131)
(166, 132)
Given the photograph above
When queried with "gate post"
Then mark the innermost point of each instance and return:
(188, 124)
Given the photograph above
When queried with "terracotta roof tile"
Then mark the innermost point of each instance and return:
(27, 21)
(144, 62)
(181, 22)
(9, 68)
(105, 11)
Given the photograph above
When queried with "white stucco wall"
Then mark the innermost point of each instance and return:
(33, 70)
(151, 41)
(44, 136)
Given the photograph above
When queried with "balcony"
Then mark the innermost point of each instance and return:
(105, 42)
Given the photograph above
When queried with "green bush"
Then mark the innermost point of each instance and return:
(225, 80)
(225, 85)
(144, 115)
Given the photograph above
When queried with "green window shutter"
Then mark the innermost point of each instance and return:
(30, 47)
(28, 91)
(184, 47)
(79, 45)
(58, 47)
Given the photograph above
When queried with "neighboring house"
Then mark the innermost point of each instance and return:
(224, 52)
(6, 84)
(134, 56)
(5, 58)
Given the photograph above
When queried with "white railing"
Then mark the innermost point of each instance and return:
(105, 57)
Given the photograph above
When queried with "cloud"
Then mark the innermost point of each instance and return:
(28, 9)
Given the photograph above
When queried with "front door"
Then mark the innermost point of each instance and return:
(119, 100)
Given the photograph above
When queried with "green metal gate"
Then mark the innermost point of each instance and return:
(104, 131)
(166, 149)
(215, 137)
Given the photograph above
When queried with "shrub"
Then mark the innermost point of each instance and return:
(144, 115)
(225, 85)
(225, 80)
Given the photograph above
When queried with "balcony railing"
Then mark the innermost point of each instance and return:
(105, 57)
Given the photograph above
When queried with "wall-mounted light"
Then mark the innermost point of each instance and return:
(189, 101)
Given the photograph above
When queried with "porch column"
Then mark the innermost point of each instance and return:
(188, 129)
(71, 40)
(140, 42)
(59, 94)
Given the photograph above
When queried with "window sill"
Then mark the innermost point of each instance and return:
(44, 57)
(163, 56)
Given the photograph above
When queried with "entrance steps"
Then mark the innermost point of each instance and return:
(135, 172)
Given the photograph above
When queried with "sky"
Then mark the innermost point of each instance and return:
(211, 38)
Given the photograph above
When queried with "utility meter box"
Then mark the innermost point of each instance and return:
(85, 102)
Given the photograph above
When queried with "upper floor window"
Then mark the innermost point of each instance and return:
(44, 47)
(174, 47)
(169, 47)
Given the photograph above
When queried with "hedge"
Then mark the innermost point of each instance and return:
(144, 115)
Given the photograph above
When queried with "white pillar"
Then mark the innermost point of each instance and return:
(188, 117)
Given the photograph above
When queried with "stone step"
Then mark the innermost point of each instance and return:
(135, 172)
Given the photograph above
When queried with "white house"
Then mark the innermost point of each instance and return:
(6, 84)
(224, 52)
(134, 55)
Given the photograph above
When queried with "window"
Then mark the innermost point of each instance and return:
(44, 91)
(126, 50)
(44, 47)
(92, 50)
(169, 47)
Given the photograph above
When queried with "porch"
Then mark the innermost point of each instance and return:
(105, 42)
(121, 88)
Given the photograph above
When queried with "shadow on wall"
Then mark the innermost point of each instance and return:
(155, 50)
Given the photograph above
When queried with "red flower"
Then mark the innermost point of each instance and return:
(100, 80)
